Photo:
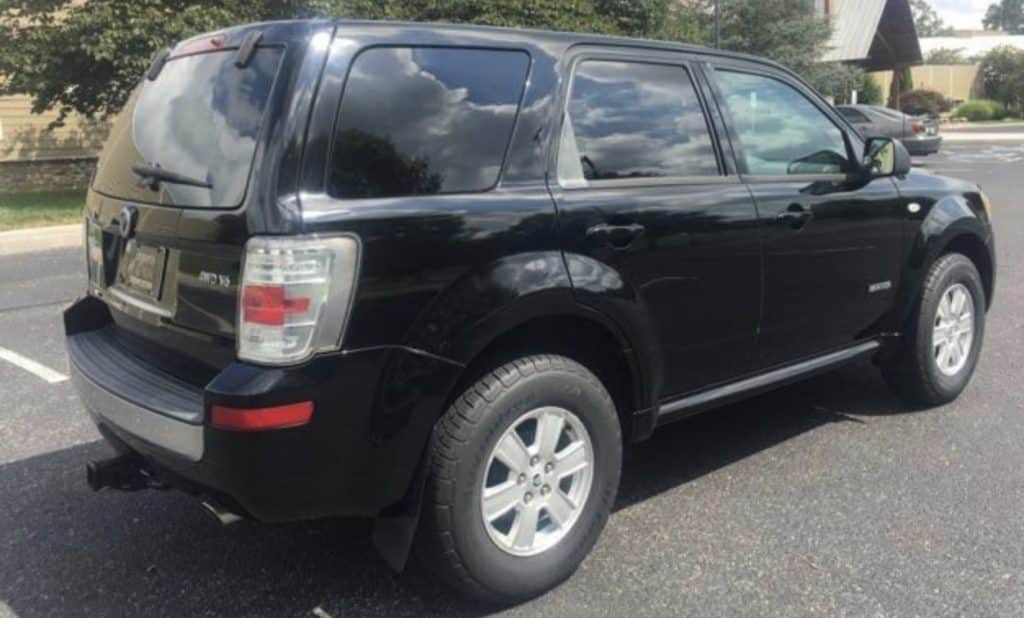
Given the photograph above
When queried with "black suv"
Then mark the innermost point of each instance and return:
(439, 276)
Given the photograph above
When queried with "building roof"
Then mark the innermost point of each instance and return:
(973, 45)
(875, 34)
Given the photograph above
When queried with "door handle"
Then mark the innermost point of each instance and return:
(618, 236)
(795, 216)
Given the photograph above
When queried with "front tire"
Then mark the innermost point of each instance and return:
(943, 341)
(525, 468)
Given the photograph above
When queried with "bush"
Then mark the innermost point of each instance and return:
(923, 103)
(998, 110)
(869, 92)
(981, 110)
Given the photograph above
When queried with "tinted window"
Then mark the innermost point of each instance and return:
(417, 121)
(200, 118)
(780, 131)
(891, 113)
(634, 120)
(852, 115)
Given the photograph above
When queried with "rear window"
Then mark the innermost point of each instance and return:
(420, 121)
(200, 119)
(891, 113)
(852, 115)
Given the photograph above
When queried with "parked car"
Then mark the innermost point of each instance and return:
(919, 134)
(439, 276)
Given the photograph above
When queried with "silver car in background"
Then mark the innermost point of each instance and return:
(919, 134)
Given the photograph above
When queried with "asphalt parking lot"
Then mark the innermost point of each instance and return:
(827, 498)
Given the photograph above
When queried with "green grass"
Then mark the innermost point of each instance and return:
(38, 208)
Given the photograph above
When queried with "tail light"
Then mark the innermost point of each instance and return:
(294, 297)
(198, 45)
(918, 127)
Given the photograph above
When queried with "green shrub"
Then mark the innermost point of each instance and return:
(975, 111)
(869, 92)
(981, 110)
(923, 103)
(998, 110)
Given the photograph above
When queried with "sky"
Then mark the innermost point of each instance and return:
(962, 14)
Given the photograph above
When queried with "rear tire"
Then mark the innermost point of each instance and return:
(568, 466)
(943, 340)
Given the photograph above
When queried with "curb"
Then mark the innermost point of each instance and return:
(40, 239)
(983, 137)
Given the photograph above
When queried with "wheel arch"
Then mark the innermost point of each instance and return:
(977, 251)
(583, 335)
(953, 224)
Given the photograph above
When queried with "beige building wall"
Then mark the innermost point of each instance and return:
(24, 136)
(957, 82)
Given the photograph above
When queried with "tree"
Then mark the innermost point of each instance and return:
(86, 57)
(1002, 75)
(786, 31)
(1005, 15)
(946, 55)
(836, 80)
(926, 21)
(902, 83)
(869, 92)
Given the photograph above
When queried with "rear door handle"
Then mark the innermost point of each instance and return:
(618, 236)
(795, 216)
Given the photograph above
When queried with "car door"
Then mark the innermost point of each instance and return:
(645, 205)
(832, 237)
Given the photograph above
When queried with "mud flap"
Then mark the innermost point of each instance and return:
(394, 530)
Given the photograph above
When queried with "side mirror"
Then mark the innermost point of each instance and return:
(884, 157)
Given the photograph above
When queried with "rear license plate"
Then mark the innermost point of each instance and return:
(142, 269)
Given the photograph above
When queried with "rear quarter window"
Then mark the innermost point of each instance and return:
(421, 121)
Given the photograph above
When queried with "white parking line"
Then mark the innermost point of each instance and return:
(29, 365)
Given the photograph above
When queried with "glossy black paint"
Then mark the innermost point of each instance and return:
(819, 271)
(696, 280)
(951, 214)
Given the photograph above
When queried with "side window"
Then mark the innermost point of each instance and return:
(633, 120)
(418, 121)
(780, 131)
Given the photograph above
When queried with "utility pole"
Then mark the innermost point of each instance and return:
(718, 24)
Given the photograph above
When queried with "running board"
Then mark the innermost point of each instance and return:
(734, 391)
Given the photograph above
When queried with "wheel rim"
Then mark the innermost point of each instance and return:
(537, 480)
(953, 332)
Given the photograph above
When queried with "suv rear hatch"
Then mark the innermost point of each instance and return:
(177, 192)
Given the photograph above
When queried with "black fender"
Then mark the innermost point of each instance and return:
(952, 219)
(599, 287)
(491, 301)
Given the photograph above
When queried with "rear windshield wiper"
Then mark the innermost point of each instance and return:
(152, 175)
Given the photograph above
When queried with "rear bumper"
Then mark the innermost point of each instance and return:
(373, 412)
(920, 146)
(121, 415)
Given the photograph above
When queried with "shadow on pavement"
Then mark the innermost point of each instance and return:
(67, 551)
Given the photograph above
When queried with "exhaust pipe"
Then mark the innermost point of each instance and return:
(223, 515)
(123, 472)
